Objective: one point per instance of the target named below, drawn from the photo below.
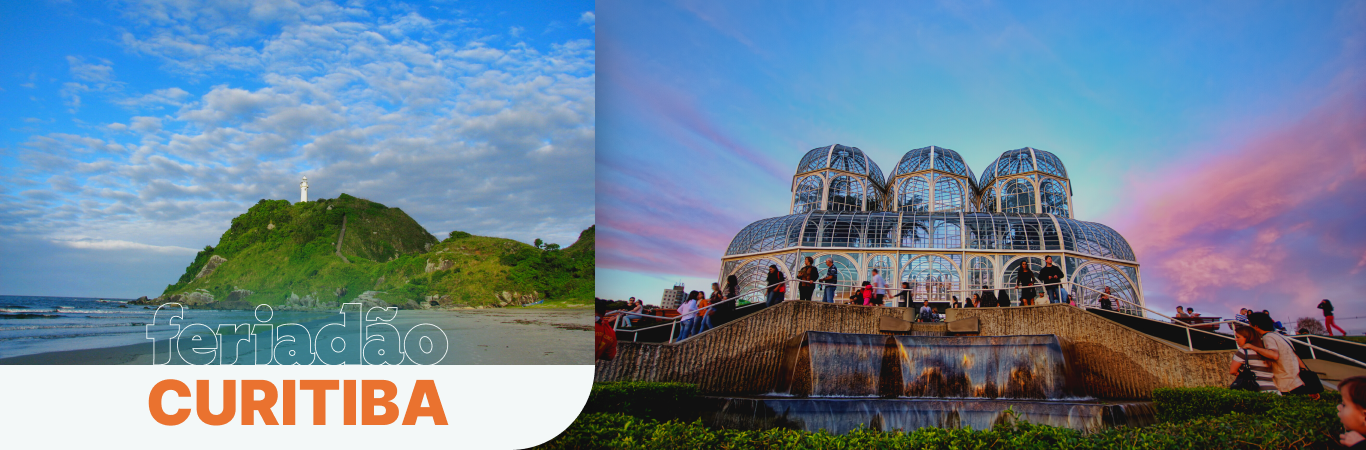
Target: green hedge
(1243, 422)
(1181, 404)
(658, 401)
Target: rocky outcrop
(210, 266)
(370, 299)
(199, 297)
(238, 294)
(439, 265)
(305, 303)
(340, 292)
(515, 298)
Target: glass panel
(948, 233)
(948, 194)
(808, 195)
(881, 230)
(917, 231)
(814, 160)
(1054, 198)
(1018, 197)
(980, 273)
(1098, 277)
(914, 194)
(846, 194)
(931, 277)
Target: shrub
(1283, 422)
(659, 401)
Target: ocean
(33, 325)
(42, 325)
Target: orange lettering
(289, 402)
(251, 406)
(369, 402)
(424, 389)
(154, 402)
(319, 388)
(202, 402)
(349, 403)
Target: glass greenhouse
(936, 226)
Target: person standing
(686, 311)
(832, 276)
(1328, 324)
(879, 288)
(720, 308)
(703, 313)
(1052, 277)
(807, 275)
(776, 286)
(732, 292)
(904, 296)
(988, 297)
(1024, 279)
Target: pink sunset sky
(1227, 144)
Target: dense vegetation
(278, 249)
(639, 416)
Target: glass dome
(933, 158)
(841, 157)
(931, 231)
(1023, 160)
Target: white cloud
(589, 19)
(170, 96)
(91, 72)
(104, 244)
(459, 132)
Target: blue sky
(134, 131)
(1224, 140)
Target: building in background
(935, 224)
(673, 297)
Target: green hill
(288, 255)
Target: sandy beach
(486, 336)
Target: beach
(513, 336)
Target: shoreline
(140, 353)
(495, 336)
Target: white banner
(494, 407)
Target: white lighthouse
(303, 190)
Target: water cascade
(838, 382)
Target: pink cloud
(1275, 219)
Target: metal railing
(692, 315)
(673, 322)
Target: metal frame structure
(935, 225)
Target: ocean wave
(29, 316)
(58, 327)
(64, 310)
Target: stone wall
(740, 357)
(744, 356)
(1108, 360)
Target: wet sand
(485, 336)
